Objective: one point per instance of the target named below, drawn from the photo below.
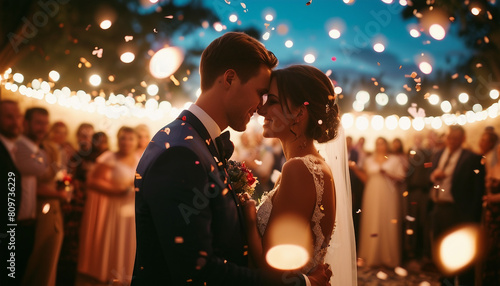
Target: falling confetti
(138, 176)
(228, 2)
(129, 38)
(155, 31)
(167, 145)
(394, 220)
(320, 122)
(197, 162)
(334, 58)
(454, 76)
(306, 103)
(309, 3)
(358, 211)
(258, 162)
(382, 275)
(405, 193)
(410, 218)
(46, 208)
(428, 165)
(476, 171)
(169, 17)
(189, 137)
(179, 239)
(401, 271)
(97, 52)
(374, 235)
(409, 231)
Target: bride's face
(276, 120)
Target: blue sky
(363, 22)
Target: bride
(300, 109)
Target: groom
(188, 222)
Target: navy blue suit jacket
(467, 187)
(190, 229)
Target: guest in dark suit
(10, 128)
(189, 224)
(458, 178)
(357, 186)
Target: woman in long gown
(299, 110)
(380, 228)
(107, 238)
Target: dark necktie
(224, 146)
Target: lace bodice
(265, 208)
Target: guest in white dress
(380, 228)
(107, 238)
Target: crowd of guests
(75, 209)
(75, 206)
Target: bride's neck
(299, 147)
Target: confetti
(410, 218)
(129, 38)
(382, 275)
(409, 231)
(183, 118)
(203, 253)
(309, 3)
(258, 162)
(413, 152)
(136, 189)
(401, 271)
(228, 2)
(454, 76)
(400, 67)
(167, 145)
(334, 58)
(212, 168)
(97, 52)
(428, 165)
(167, 130)
(405, 193)
(138, 176)
(155, 31)
(46, 208)
(208, 141)
(243, 5)
(358, 211)
(169, 17)
(189, 137)
(306, 103)
(88, 27)
(320, 122)
(321, 207)
(413, 75)
(394, 220)
(197, 162)
(328, 73)
(179, 239)
(476, 171)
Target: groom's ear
(229, 76)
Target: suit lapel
(191, 119)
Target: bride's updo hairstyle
(307, 85)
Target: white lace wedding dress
(266, 206)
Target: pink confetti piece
(183, 118)
(212, 186)
(138, 176)
(306, 103)
(97, 52)
(334, 58)
(197, 162)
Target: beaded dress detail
(266, 206)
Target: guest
(458, 177)
(10, 129)
(144, 135)
(42, 265)
(73, 212)
(79, 163)
(487, 144)
(398, 151)
(362, 154)
(380, 232)
(357, 186)
(107, 242)
(418, 181)
(58, 134)
(489, 273)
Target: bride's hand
(250, 210)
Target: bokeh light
(377, 122)
(358, 106)
(362, 96)
(334, 34)
(347, 120)
(415, 33)
(391, 122)
(425, 67)
(434, 99)
(446, 106)
(362, 123)
(288, 44)
(404, 123)
(401, 98)
(494, 94)
(166, 61)
(54, 75)
(437, 32)
(382, 99)
(17, 77)
(95, 80)
(233, 18)
(266, 36)
(309, 58)
(378, 47)
(475, 11)
(458, 249)
(127, 57)
(269, 17)
(106, 24)
(418, 124)
(463, 97)
(152, 89)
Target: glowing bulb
(425, 67)
(54, 76)
(418, 123)
(477, 107)
(152, 89)
(436, 123)
(337, 90)
(334, 34)
(289, 44)
(362, 123)
(401, 99)
(269, 17)
(95, 80)
(414, 33)
(433, 99)
(437, 32)
(382, 99)
(404, 123)
(127, 57)
(475, 11)
(494, 94)
(378, 47)
(362, 96)
(233, 18)
(45, 86)
(309, 58)
(347, 120)
(377, 122)
(391, 122)
(463, 97)
(106, 24)
(19, 78)
(446, 106)
(165, 62)
(358, 106)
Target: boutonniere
(241, 179)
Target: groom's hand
(250, 211)
(321, 275)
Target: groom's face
(245, 99)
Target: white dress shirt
(444, 193)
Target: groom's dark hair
(237, 51)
